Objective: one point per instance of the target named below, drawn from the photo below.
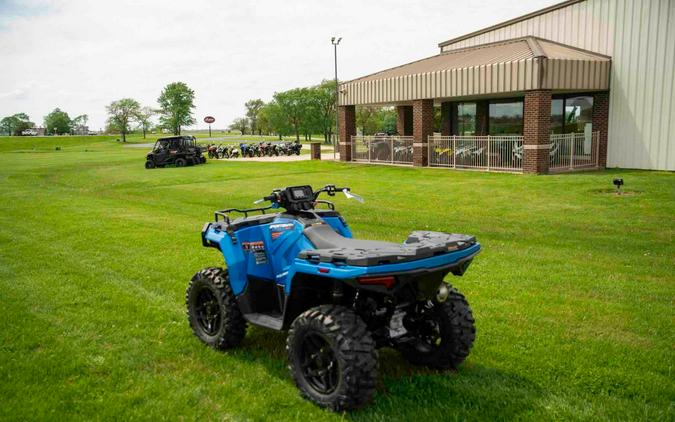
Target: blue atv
(293, 265)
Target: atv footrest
(274, 322)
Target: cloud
(81, 55)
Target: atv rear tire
(149, 164)
(332, 357)
(450, 342)
(180, 162)
(212, 308)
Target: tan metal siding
(640, 37)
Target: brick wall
(536, 131)
(404, 125)
(423, 126)
(347, 120)
(601, 124)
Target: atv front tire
(180, 162)
(212, 308)
(332, 357)
(444, 333)
(149, 164)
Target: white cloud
(81, 55)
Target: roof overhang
(495, 69)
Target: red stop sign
(209, 119)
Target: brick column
(404, 120)
(536, 131)
(601, 124)
(448, 118)
(423, 126)
(347, 118)
(316, 150)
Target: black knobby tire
(149, 164)
(454, 339)
(180, 162)
(332, 357)
(209, 298)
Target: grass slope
(573, 293)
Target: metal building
(605, 66)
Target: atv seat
(335, 248)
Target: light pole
(335, 43)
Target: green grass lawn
(573, 292)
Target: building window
(572, 114)
(466, 118)
(506, 117)
(557, 106)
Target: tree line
(56, 123)
(176, 104)
(298, 112)
(307, 111)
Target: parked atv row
(259, 149)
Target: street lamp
(335, 43)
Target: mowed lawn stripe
(572, 294)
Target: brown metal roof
(509, 66)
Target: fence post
(596, 135)
(430, 148)
(369, 147)
(454, 151)
(488, 153)
(391, 148)
(572, 139)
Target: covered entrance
(525, 104)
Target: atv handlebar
(288, 196)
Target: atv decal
(253, 246)
(277, 230)
(257, 249)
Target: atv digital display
(299, 194)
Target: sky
(81, 55)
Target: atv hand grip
(267, 198)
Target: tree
(324, 98)
(252, 109)
(387, 118)
(144, 117)
(58, 122)
(176, 103)
(121, 114)
(293, 105)
(273, 117)
(240, 124)
(14, 125)
(366, 119)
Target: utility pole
(337, 122)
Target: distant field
(573, 293)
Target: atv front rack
(225, 213)
(226, 217)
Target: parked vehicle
(179, 151)
(29, 132)
(212, 151)
(296, 267)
